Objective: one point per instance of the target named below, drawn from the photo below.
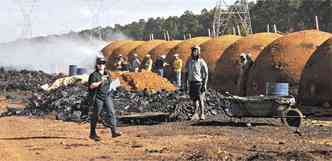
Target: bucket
(276, 89)
(81, 71)
(72, 70)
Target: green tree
(189, 24)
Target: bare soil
(46, 139)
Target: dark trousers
(108, 106)
(195, 90)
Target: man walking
(196, 72)
(99, 83)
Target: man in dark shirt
(99, 82)
(160, 65)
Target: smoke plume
(52, 54)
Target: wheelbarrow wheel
(292, 118)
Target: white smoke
(51, 54)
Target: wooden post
(167, 34)
(165, 38)
(268, 28)
(275, 28)
(317, 23)
(184, 37)
(234, 31)
(209, 32)
(238, 30)
(189, 36)
(152, 36)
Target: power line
(96, 9)
(26, 8)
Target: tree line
(287, 15)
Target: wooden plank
(144, 115)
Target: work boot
(115, 132)
(94, 137)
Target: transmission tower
(96, 10)
(227, 17)
(26, 8)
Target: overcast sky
(61, 16)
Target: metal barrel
(72, 70)
(276, 89)
(81, 71)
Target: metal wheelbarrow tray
(282, 107)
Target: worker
(147, 63)
(177, 67)
(245, 64)
(135, 63)
(196, 74)
(160, 65)
(99, 82)
(119, 63)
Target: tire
(292, 118)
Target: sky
(62, 16)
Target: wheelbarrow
(282, 107)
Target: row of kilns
(302, 59)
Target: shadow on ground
(229, 124)
(41, 137)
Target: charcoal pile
(24, 80)
(184, 108)
(66, 103)
(71, 104)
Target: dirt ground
(36, 139)
(46, 139)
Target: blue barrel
(81, 71)
(276, 89)
(72, 70)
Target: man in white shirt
(196, 72)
